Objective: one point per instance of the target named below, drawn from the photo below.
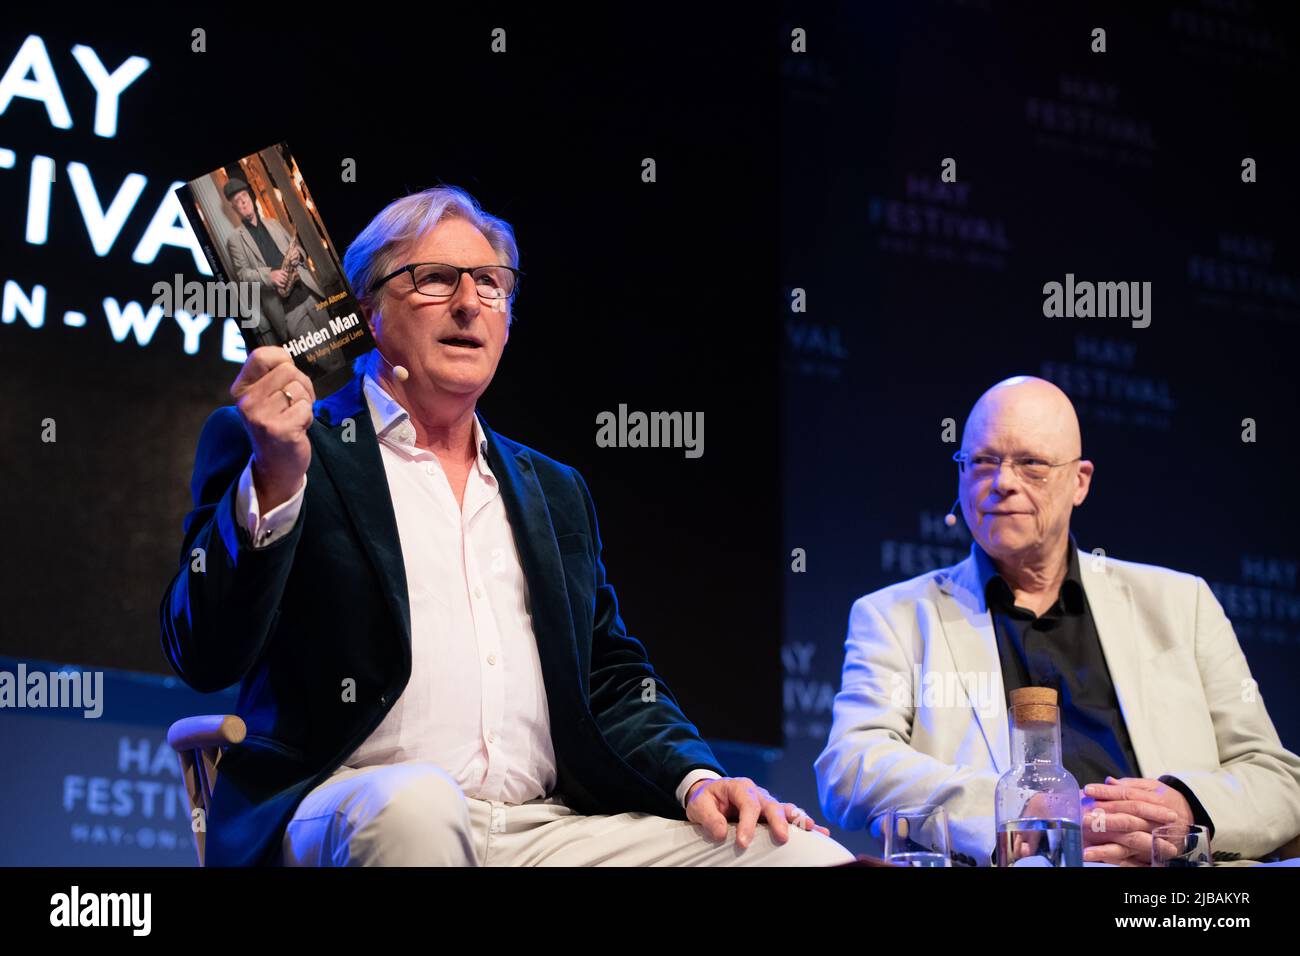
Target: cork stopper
(1033, 705)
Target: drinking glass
(1180, 844)
(917, 836)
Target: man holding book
(433, 665)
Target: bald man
(1161, 721)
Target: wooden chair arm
(207, 732)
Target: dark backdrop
(657, 295)
(1117, 166)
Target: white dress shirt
(475, 704)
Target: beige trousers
(414, 814)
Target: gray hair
(378, 247)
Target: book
(274, 265)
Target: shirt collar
(393, 424)
(997, 592)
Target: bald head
(1023, 477)
(1029, 415)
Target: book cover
(282, 276)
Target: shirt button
(478, 592)
(492, 736)
(492, 658)
(383, 700)
(429, 468)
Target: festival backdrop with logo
(640, 189)
(1125, 166)
(1122, 166)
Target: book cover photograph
(260, 229)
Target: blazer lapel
(1112, 609)
(968, 629)
(350, 456)
(539, 555)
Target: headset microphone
(399, 371)
(950, 519)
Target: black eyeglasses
(439, 279)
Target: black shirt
(273, 256)
(1060, 649)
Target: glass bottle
(1037, 811)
